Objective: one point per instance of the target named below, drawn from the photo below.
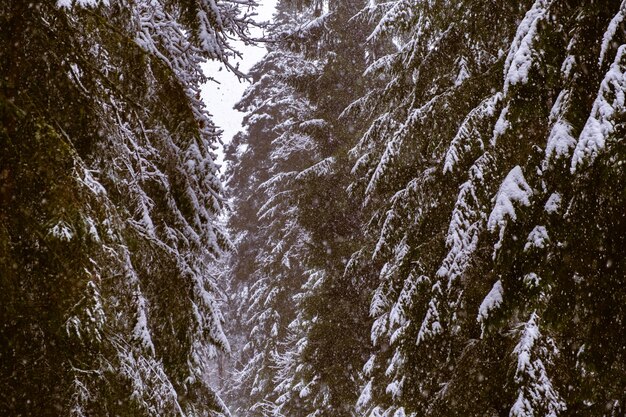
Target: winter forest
(423, 213)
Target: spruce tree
(109, 204)
(267, 269)
(307, 315)
(484, 172)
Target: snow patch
(501, 126)
(608, 106)
(568, 65)
(519, 59)
(379, 328)
(561, 139)
(399, 412)
(467, 222)
(553, 204)
(530, 334)
(538, 238)
(611, 31)
(320, 169)
(463, 73)
(369, 366)
(431, 325)
(492, 301)
(379, 303)
(62, 231)
(93, 231)
(535, 388)
(91, 183)
(469, 132)
(365, 398)
(140, 331)
(514, 189)
(82, 3)
(395, 390)
(531, 280)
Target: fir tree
(488, 270)
(109, 205)
(296, 362)
(267, 269)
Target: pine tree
(469, 314)
(109, 204)
(294, 156)
(267, 270)
(319, 373)
(432, 113)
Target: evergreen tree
(307, 315)
(428, 202)
(469, 313)
(266, 271)
(109, 198)
(319, 373)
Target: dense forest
(424, 213)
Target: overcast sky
(220, 98)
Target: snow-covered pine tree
(501, 298)
(430, 116)
(267, 269)
(109, 197)
(557, 265)
(320, 371)
(308, 317)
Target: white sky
(220, 98)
